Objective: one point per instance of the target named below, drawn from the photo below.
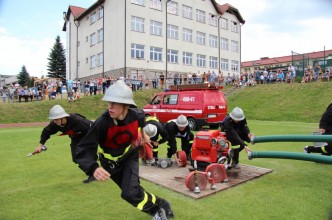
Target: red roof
(285, 59)
(76, 11)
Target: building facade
(133, 38)
(299, 61)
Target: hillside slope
(275, 102)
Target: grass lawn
(49, 185)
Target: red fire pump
(210, 150)
(210, 146)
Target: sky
(272, 28)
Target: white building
(128, 38)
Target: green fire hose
(292, 138)
(290, 155)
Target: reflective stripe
(152, 118)
(141, 204)
(153, 198)
(110, 157)
(323, 149)
(155, 150)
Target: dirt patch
(16, 125)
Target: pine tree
(57, 61)
(23, 77)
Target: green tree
(57, 61)
(23, 77)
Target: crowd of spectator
(50, 89)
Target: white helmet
(237, 114)
(181, 121)
(119, 92)
(57, 112)
(150, 130)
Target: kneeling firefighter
(179, 128)
(237, 132)
(154, 129)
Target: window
(172, 8)
(100, 59)
(171, 99)
(234, 26)
(172, 31)
(213, 20)
(100, 12)
(224, 64)
(93, 39)
(187, 58)
(156, 53)
(86, 38)
(224, 23)
(224, 43)
(234, 46)
(93, 18)
(200, 38)
(137, 24)
(100, 34)
(213, 63)
(187, 35)
(213, 41)
(155, 4)
(86, 60)
(137, 51)
(200, 16)
(235, 65)
(93, 61)
(138, 2)
(156, 28)
(200, 60)
(187, 12)
(172, 56)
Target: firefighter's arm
(145, 138)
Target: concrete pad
(174, 177)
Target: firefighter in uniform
(237, 132)
(153, 129)
(116, 132)
(74, 125)
(325, 128)
(179, 128)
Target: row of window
(95, 60)
(156, 54)
(137, 24)
(96, 15)
(187, 12)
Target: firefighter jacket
(160, 130)
(326, 120)
(236, 133)
(113, 137)
(174, 132)
(76, 128)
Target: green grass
(48, 186)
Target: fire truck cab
(202, 104)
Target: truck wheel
(192, 124)
(214, 126)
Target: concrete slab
(174, 177)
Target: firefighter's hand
(145, 139)
(247, 149)
(101, 174)
(38, 149)
(155, 143)
(322, 130)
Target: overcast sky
(273, 28)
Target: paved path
(15, 125)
